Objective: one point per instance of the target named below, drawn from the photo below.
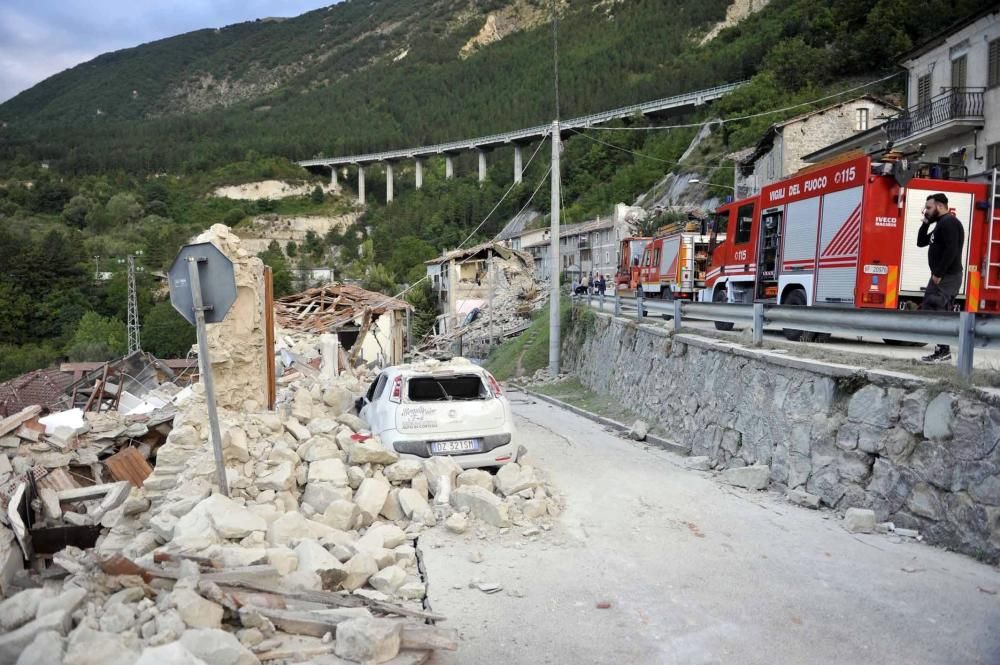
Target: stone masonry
(919, 454)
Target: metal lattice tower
(133, 309)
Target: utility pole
(492, 289)
(133, 309)
(554, 271)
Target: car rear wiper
(444, 391)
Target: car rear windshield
(445, 388)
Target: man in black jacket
(944, 256)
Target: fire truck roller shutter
(914, 273)
(839, 242)
(799, 241)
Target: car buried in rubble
(454, 408)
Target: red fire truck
(674, 264)
(629, 254)
(845, 235)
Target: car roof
(434, 367)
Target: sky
(39, 38)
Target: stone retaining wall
(920, 455)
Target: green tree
(291, 248)
(97, 338)
(165, 333)
(75, 212)
(123, 209)
(281, 276)
(317, 195)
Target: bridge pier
(518, 167)
(333, 176)
(361, 183)
(388, 182)
(418, 172)
(482, 164)
(449, 167)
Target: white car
(453, 408)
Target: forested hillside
(363, 75)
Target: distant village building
(953, 103)
(784, 146)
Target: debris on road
(859, 520)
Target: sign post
(200, 307)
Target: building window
(924, 93)
(958, 69)
(993, 156)
(861, 120)
(993, 77)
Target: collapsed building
(487, 293)
(313, 554)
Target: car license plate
(459, 446)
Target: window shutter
(958, 70)
(994, 64)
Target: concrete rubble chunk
(12, 643)
(195, 611)
(217, 647)
(699, 463)
(91, 647)
(321, 495)
(483, 505)
(283, 559)
(639, 430)
(391, 509)
(313, 557)
(21, 608)
(45, 649)
(230, 519)
(319, 448)
(302, 405)
(388, 580)
(440, 467)
(412, 503)
(293, 526)
(117, 618)
(476, 477)
(388, 535)
(322, 426)
(513, 478)
(372, 451)
(802, 498)
(412, 591)
(352, 421)
(173, 653)
(341, 514)
(402, 470)
(859, 520)
(457, 523)
(297, 429)
(235, 445)
(340, 400)
(368, 640)
(67, 601)
(370, 497)
(359, 569)
(330, 471)
(751, 477)
(195, 531)
(278, 478)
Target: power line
(723, 121)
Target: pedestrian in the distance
(944, 242)
(585, 284)
(601, 284)
(576, 287)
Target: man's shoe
(938, 356)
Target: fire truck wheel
(720, 296)
(797, 297)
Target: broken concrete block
(320, 448)
(513, 478)
(368, 640)
(534, 508)
(293, 526)
(341, 515)
(86, 646)
(283, 559)
(195, 531)
(412, 503)
(322, 426)
(12, 643)
(414, 590)
(352, 421)
(235, 445)
(217, 647)
(387, 535)
(437, 468)
(330, 471)
(338, 399)
(359, 569)
(370, 450)
(45, 649)
(315, 558)
(230, 519)
(402, 470)
(391, 509)
(802, 498)
(21, 608)
(67, 601)
(302, 405)
(388, 580)
(195, 611)
(457, 523)
(699, 463)
(475, 477)
(321, 495)
(483, 505)
(277, 478)
(297, 429)
(639, 430)
(117, 618)
(370, 497)
(751, 477)
(859, 520)
(173, 653)
(162, 526)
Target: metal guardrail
(696, 97)
(965, 330)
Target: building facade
(783, 148)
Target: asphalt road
(696, 572)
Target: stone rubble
(316, 505)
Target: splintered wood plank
(129, 464)
(11, 423)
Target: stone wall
(918, 454)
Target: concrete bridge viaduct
(485, 144)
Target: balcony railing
(953, 104)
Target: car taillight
(494, 386)
(397, 390)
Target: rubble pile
(312, 555)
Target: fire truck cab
(629, 256)
(845, 235)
